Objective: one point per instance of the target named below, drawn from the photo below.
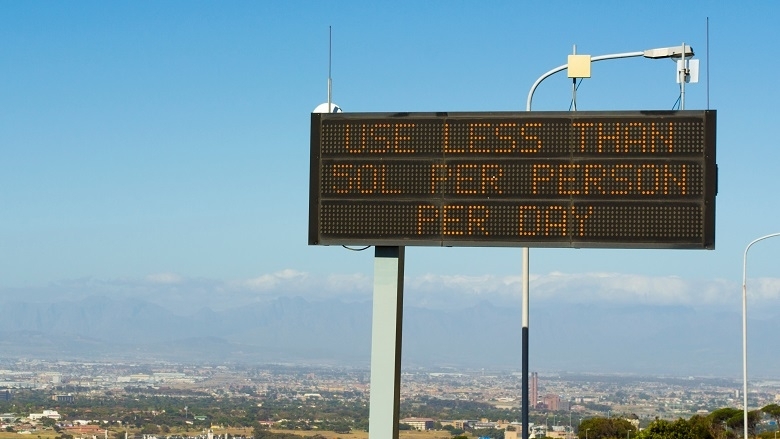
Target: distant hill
(603, 338)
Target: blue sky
(150, 144)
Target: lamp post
(666, 52)
(682, 51)
(744, 331)
(586, 433)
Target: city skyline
(590, 394)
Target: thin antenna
(574, 84)
(708, 63)
(329, 107)
(682, 73)
(330, 51)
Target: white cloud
(763, 289)
(448, 291)
(164, 278)
(581, 288)
(614, 287)
(348, 283)
(434, 291)
(356, 286)
(281, 279)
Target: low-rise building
(421, 424)
(51, 414)
(8, 418)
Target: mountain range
(665, 340)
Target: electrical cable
(577, 87)
(357, 249)
(676, 105)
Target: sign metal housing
(639, 179)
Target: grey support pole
(386, 342)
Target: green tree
(700, 427)
(261, 432)
(721, 421)
(679, 429)
(341, 428)
(603, 428)
(729, 422)
(773, 410)
(493, 433)
(150, 429)
(737, 422)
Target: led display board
(640, 179)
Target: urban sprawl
(93, 400)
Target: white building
(51, 414)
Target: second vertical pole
(526, 301)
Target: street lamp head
(669, 52)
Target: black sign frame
(639, 179)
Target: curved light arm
(744, 330)
(744, 258)
(563, 67)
